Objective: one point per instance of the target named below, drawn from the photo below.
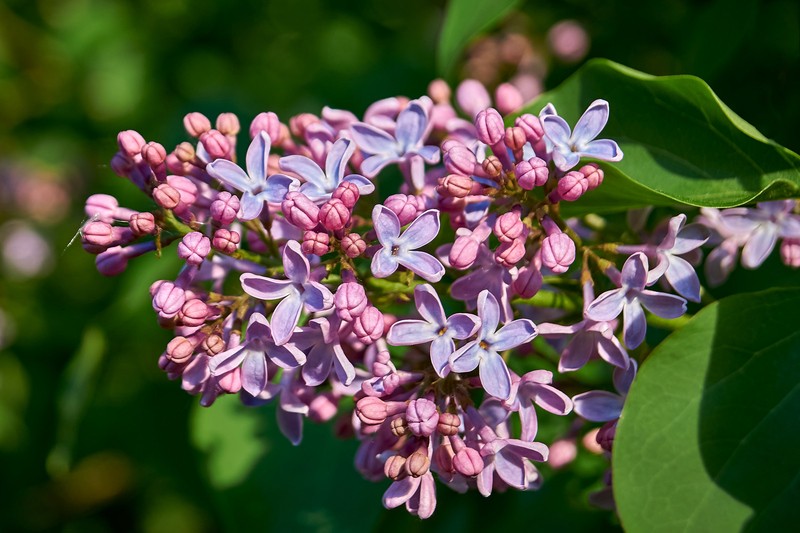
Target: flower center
(395, 250)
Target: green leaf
(709, 435)
(682, 145)
(465, 19)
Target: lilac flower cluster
(299, 265)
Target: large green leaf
(710, 433)
(464, 19)
(682, 145)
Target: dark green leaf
(709, 435)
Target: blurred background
(93, 437)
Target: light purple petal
(690, 238)
(285, 318)
(510, 468)
(386, 224)
(295, 263)
(557, 130)
(759, 245)
(591, 123)
(364, 185)
(634, 271)
(318, 365)
(422, 230)
(427, 497)
(317, 297)
(291, 425)
(411, 333)
(375, 163)
(673, 228)
(489, 312)
(345, 370)
(565, 159)
(442, 348)
(660, 268)
(250, 206)
(463, 325)
(428, 304)
(623, 378)
(535, 451)
(547, 397)
(254, 372)
(336, 162)
(286, 356)
(598, 406)
(266, 288)
(789, 227)
(411, 125)
(430, 154)
(422, 264)
(229, 173)
(683, 278)
(607, 306)
(278, 185)
(612, 352)
(258, 157)
(721, 262)
(513, 334)
(635, 326)
(305, 168)
(603, 149)
(663, 305)
(577, 352)
(399, 492)
(486, 479)
(371, 140)
(528, 421)
(467, 358)
(494, 375)
(383, 263)
(226, 361)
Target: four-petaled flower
(400, 249)
(679, 272)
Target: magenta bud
(226, 241)
(194, 313)
(98, 234)
(394, 467)
(225, 208)
(228, 124)
(323, 407)
(422, 417)
(532, 173)
(334, 215)
(186, 188)
(371, 410)
(562, 452)
(315, 243)
(558, 252)
(142, 223)
(594, 175)
(185, 152)
(112, 262)
(455, 186)
(130, 143)
(300, 211)
(213, 344)
(515, 138)
(194, 247)
(508, 254)
(196, 124)
(168, 300)
(102, 207)
(439, 91)
(299, 123)
(508, 98)
(489, 124)
(572, 186)
(528, 281)
(216, 144)
(605, 437)
(472, 96)
(417, 464)
(492, 166)
(405, 206)
(532, 127)
(269, 123)
(448, 424)
(154, 154)
(166, 196)
(231, 382)
(350, 301)
(353, 245)
(790, 252)
(443, 457)
(508, 226)
(369, 326)
(464, 252)
(179, 350)
(347, 192)
(460, 160)
(468, 462)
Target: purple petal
(623, 377)
(759, 245)
(547, 397)
(463, 325)
(383, 263)
(295, 264)
(375, 163)
(494, 375)
(663, 305)
(489, 312)
(683, 278)
(411, 125)
(690, 238)
(603, 149)
(229, 173)
(196, 373)
(789, 227)
(674, 227)
(258, 157)
(422, 264)
(528, 422)
(634, 271)
(659, 270)
(345, 370)
(305, 168)
(612, 352)
(285, 318)
(467, 358)
(278, 185)
(556, 129)
(485, 479)
(577, 352)
(635, 325)
(336, 162)
(598, 406)
(510, 468)
(266, 288)
(286, 356)
(318, 365)
(364, 185)
(535, 451)
(291, 425)
(317, 297)
(513, 334)
(371, 140)
(564, 158)
(386, 224)
(429, 305)
(607, 306)
(422, 230)
(427, 497)
(399, 492)
(250, 206)
(721, 262)
(411, 333)
(591, 123)
(254, 372)
(226, 361)
(442, 348)
(430, 154)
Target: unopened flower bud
(225, 208)
(508, 254)
(528, 281)
(186, 189)
(98, 234)
(605, 437)
(394, 467)
(448, 424)
(130, 142)
(472, 97)
(101, 207)
(532, 127)
(299, 123)
(468, 462)
(179, 350)
(350, 301)
(443, 457)
(194, 247)
(417, 464)
(490, 126)
(439, 91)
(369, 326)
(166, 196)
(353, 245)
(154, 154)
(231, 382)
(492, 166)
(422, 417)
(226, 241)
(185, 152)
(460, 160)
(371, 410)
(228, 124)
(112, 262)
(168, 299)
(322, 408)
(464, 252)
(194, 313)
(593, 174)
(532, 173)
(562, 452)
(142, 223)
(213, 344)
(405, 206)
(196, 124)
(216, 144)
(455, 186)
(508, 98)
(399, 426)
(315, 243)
(790, 252)
(269, 123)
(508, 226)
(515, 138)
(347, 192)
(572, 186)
(300, 211)
(334, 215)
(558, 252)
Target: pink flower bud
(142, 223)
(112, 262)
(225, 208)
(300, 211)
(315, 243)
(439, 91)
(299, 123)
(468, 462)
(448, 424)
(515, 138)
(350, 301)
(568, 41)
(130, 143)
(508, 98)
(371, 410)
(193, 313)
(179, 350)
(460, 160)
(508, 254)
(228, 124)
(98, 235)
(572, 186)
(528, 281)
(562, 452)
(417, 464)
(508, 226)
(216, 144)
(353, 245)
(593, 174)
(492, 166)
(790, 252)
(472, 97)
(394, 467)
(605, 437)
(269, 123)
(443, 456)
(334, 215)
(102, 207)
(532, 173)
(226, 241)
(231, 382)
(558, 252)
(399, 426)
(422, 417)
(489, 124)
(532, 127)
(166, 196)
(369, 326)
(455, 186)
(196, 124)
(405, 206)
(154, 154)
(347, 192)
(187, 190)
(168, 299)
(185, 152)
(464, 252)
(213, 344)
(194, 247)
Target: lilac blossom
(569, 146)
(397, 249)
(295, 293)
(679, 272)
(435, 328)
(536, 387)
(418, 493)
(491, 276)
(484, 352)
(253, 353)
(629, 299)
(322, 336)
(254, 185)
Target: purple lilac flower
(418, 493)
(326, 351)
(569, 146)
(318, 185)
(295, 293)
(768, 222)
(254, 185)
(400, 249)
(253, 353)
(484, 352)
(536, 387)
(436, 328)
(679, 272)
(629, 299)
(491, 276)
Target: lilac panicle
(295, 293)
(397, 249)
(435, 328)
